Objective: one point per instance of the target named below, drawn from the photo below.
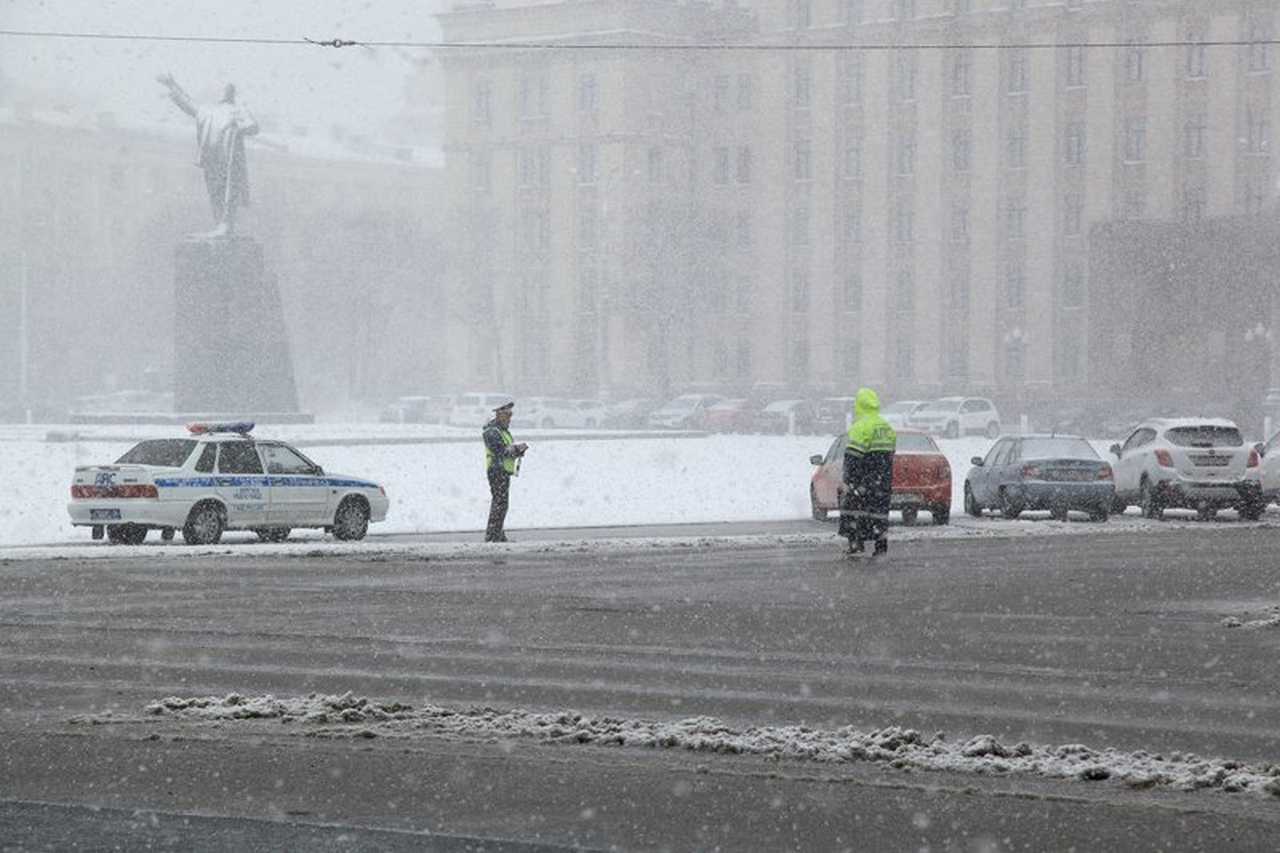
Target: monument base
(231, 349)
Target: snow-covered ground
(347, 716)
(439, 486)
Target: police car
(219, 478)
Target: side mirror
(1115, 450)
(977, 460)
(319, 471)
(816, 459)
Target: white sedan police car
(220, 478)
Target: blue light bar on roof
(241, 427)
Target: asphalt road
(1115, 640)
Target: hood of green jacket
(867, 402)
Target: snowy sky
(303, 85)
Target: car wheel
(166, 534)
(1118, 505)
(818, 513)
(993, 430)
(1009, 507)
(351, 521)
(204, 524)
(1252, 510)
(952, 430)
(273, 534)
(970, 503)
(1099, 514)
(1148, 501)
(1206, 513)
(909, 514)
(941, 514)
(1060, 513)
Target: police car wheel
(351, 522)
(204, 525)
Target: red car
(921, 479)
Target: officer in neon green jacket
(868, 475)
(501, 462)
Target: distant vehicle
(268, 487)
(898, 413)
(684, 412)
(1059, 473)
(834, 414)
(735, 415)
(1194, 463)
(590, 413)
(475, 408)
(629, 414)
(795, 417)
(548, 412)
(418, 410)
(957, 416)
(1270, 475)
(921, 479)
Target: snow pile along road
(348, 716)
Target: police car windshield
(165, 452)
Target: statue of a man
(220, 132)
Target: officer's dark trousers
(499, 491)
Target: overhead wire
(726, 46)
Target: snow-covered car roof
(1168, 423)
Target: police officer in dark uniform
(502, 462)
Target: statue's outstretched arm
(178, 95)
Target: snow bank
(347, 716)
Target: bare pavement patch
(903, 749)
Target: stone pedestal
(231, 349)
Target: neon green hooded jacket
(870, 433)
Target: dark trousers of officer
(499, 491)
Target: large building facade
(828, 192)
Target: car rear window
(916, 444)
(1057, 448)
(165, 452)
(1204, 436)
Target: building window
(904, 295)
(535, 95)
(481, 171)
(745, 92)
(800, 290)
(905, 76)
(655, 165)
(1017, 148)
(904, 224)
(960, 223)
(1016, 83)
(588, 93)
(744, 164)
(906, 159)
(853, 79)
(1259, 49)
(961, 150)
(961, 7)
(720, 94)
(1255, 198)
(1135, 140)
(588, 286)
(1257, 131)
(802, 87)
(853, 12)
(800, 356)
(1069, 356)
(1135, 203)
(853, 158)
(535, 167)
(1072, 215)
(1197, 57)
(1072, 286)
(1075, 143)
(903, 10)
(482, 102)
(1075, 67)
(1134, 57)
(1194, 137)
(960, 292)
(587, 156)
(587, 233)
(744, 358)
(1015, 283)
(1194, 204)
(721, 174)
(853, 223)
(744, 229)
(961, 74)
(802, 164)
(904, 370)
(802, 11)
(1015, 221)
(1015, 359)
(850, 358)
(852, 300)
(800, 235)
(535, 231)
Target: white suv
(1194, 463)
(1270, 468)
(957, 416)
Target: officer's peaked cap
(506, 407)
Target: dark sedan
(1054, 472)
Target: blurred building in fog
(918, 219)
(93, 211)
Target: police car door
(299, 491)
(241, 484)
